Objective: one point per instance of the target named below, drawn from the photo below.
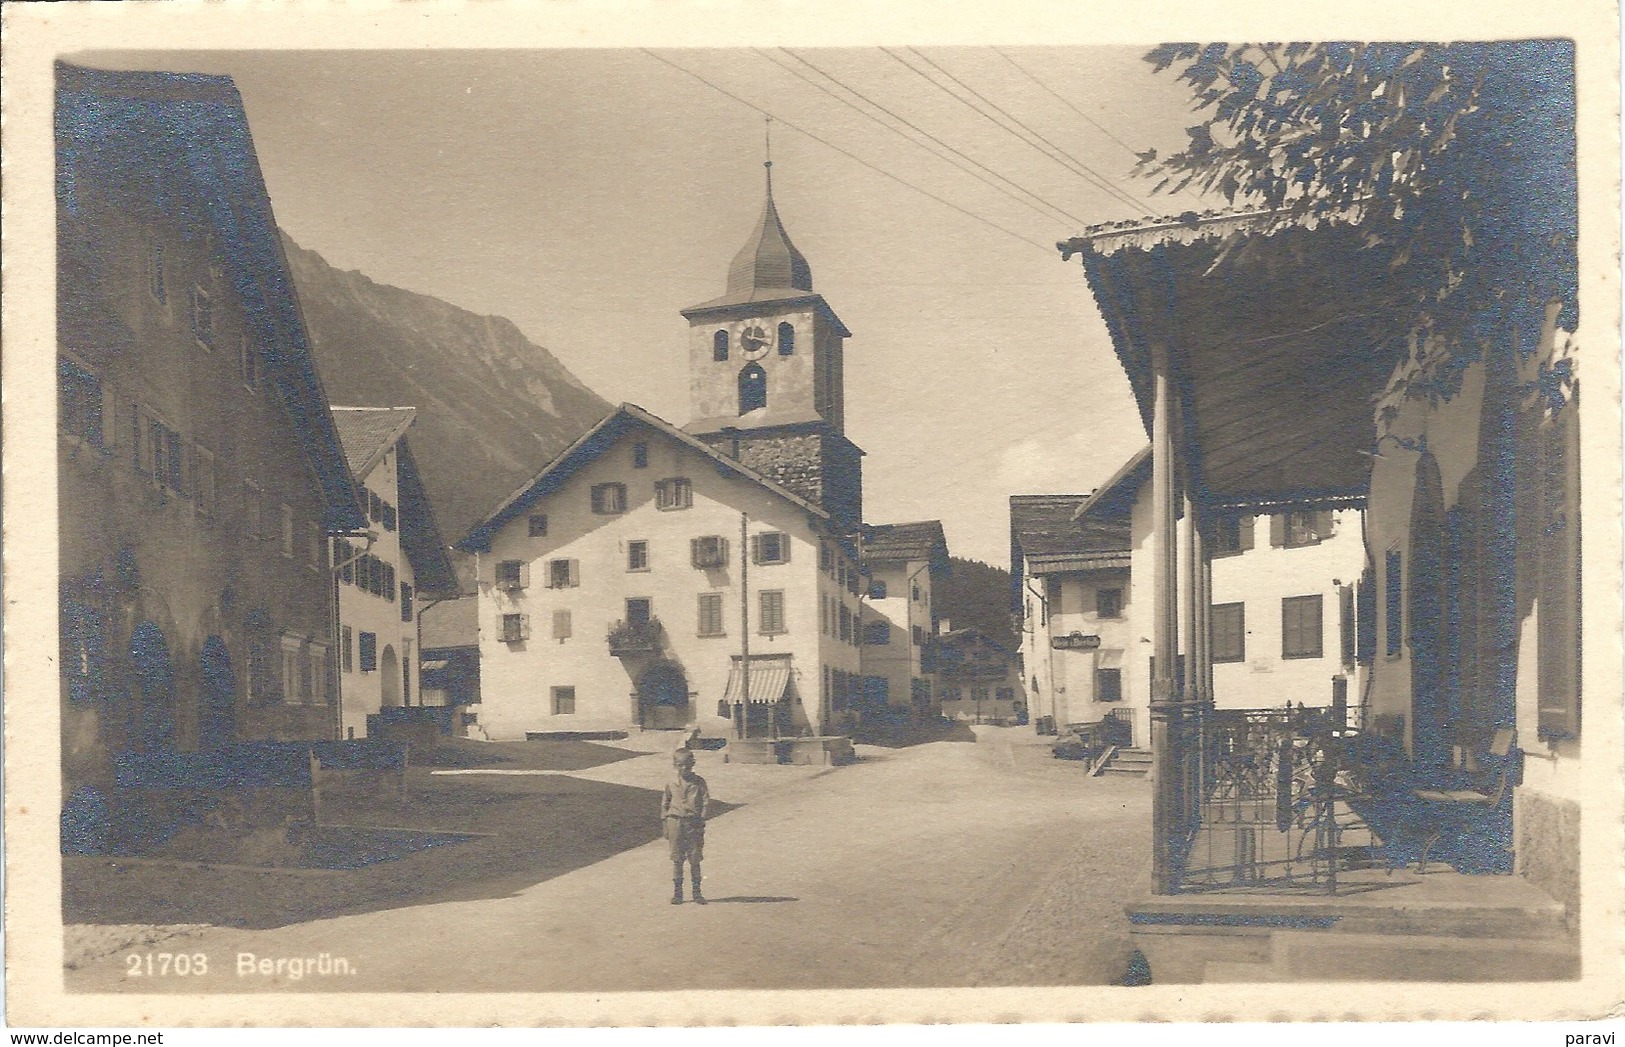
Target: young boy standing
(682, 812)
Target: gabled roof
(920, 540)
(595, 442)
(1114, 499)
(178, 144)
(369, 432)
(450, 623)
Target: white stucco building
(901, 561)
(381, 578)
(1283, 611)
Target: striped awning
(769, 680)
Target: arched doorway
(663, 697)
(152, 689)
(217, 717)
(389, 666)
(1430, 731)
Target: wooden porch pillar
(1166, 800)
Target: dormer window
(719, 346)
(787, 339)
(752, 388)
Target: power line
(1053, 152)
(1091, 120)
(1046, 248)
(927, 134)
(1061, 154)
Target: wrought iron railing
(1264, 810)
(634, 637)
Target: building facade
(622, 587)
(901, 562)
(200, 474)
(382, 578)
(978, 680)
(1282, 620)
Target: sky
(589, 195)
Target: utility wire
(1091, 120)
(1059, 154)
(1053, 153)
(921, 131)
(1046, 248)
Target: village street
(941, 864)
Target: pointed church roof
(767, 269)
(769, 261)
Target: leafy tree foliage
(1457, 160)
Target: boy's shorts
(687, 838)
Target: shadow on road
(753, 898)
(903, 735)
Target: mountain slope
(976, 595)
(493, 407)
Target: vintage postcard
(639, 515)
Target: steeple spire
(769, 261)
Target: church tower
(766, 373)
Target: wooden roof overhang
(1279, 336)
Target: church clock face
(753, 342)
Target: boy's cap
(682, 757)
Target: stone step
(1341, 956)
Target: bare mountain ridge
(493, 407)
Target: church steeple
(769, 261)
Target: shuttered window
(1301, 627)
(1229, 624)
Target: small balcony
(631, 638)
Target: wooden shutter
(1324, 524)
(575, 572)
(1278, 530)
(1558, 581)
(755, 548)
(561, 625)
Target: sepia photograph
(1050, 529)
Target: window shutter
(755, 548)
(784, 547)
(1278, 530)
(575, 573)
(1324, 525)
(561, 625)
(694, 552)
(524, 626)
(1244, 532)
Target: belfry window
(752, 388)
(719, 346)
(787, 339)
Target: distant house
(200, 472)
(449, 632)
(902, 561)
(382, 577)
(1282, 604)
(978, 679)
